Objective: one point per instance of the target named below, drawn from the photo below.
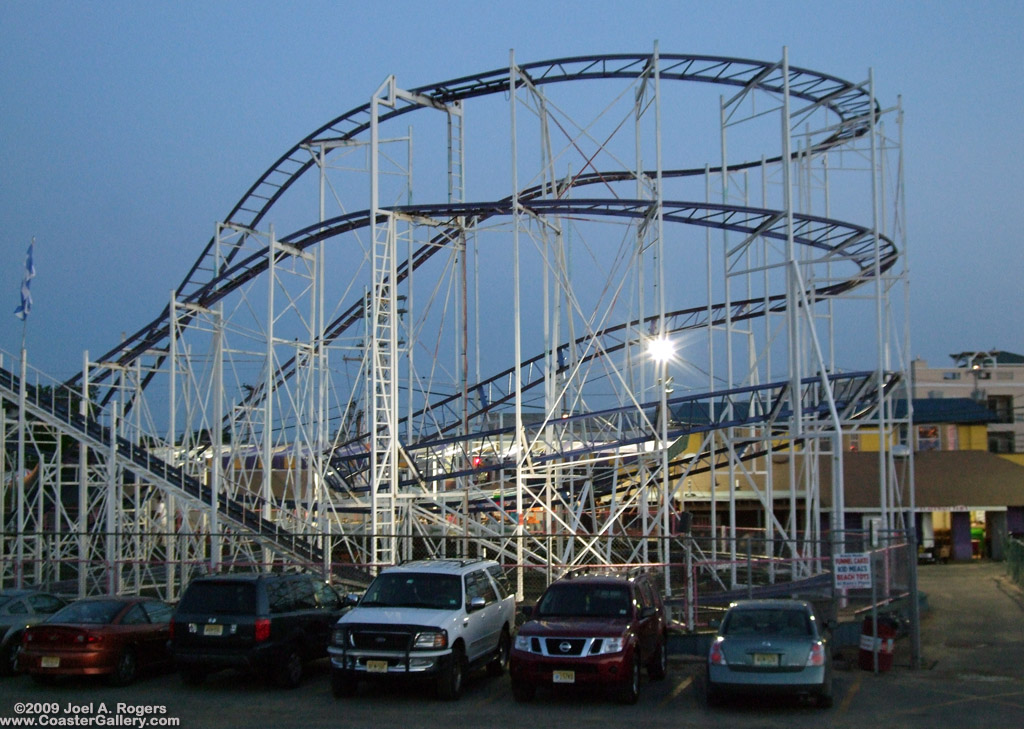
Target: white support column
(217, 439)
(19, 567)
(729, 433)
(113, 497)
(325, 517)
(792, 297)
(171, 441)
(267, 449)
(520, 441)
(664, 544)
(4, 559)
(383, 347)
(795, 336)
(884, 475)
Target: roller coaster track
(833, 240)
(42, 404)
(851, 104)
(610, 433)
(615, 450)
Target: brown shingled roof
(944, 479)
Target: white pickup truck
(433, 619)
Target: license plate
(766, 660)
(50, 662)
(376, 666)
(213, 630)
(563, 677)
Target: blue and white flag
(26, 293)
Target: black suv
(269, 624)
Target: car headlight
(431, 640)
(610, 645)
(340, 636)
(523, 643)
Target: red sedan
(111, 636)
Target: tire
(9, 656)
(712, 695)
(343, 685)
(657, 669)
(289, 673)
(126, 668)
(192, 676)
(449, 680)
(824, 697)
(523, 692)
(629, 693)
(499, 664)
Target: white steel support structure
(461, 366)
(383, 326)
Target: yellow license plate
(50, 662)
(563, 677)
(213, 630)
(376, 666)
(766, 660)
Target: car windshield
(415, 590)
(571, 600)
(767, 621)
(222, 598)
(93, 612)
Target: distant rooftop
(962, 410)
(992, 358)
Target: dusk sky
(128, 129)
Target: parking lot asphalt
(972, 676)
(974, 625)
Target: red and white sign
(852, 571)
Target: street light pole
(661, 351)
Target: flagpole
(22, 313)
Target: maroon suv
(592, 630)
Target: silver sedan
(20, 609)
(770, 647)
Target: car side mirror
(648, 612)
(475, 603)
(351, 599)
(526, 611)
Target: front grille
(564, 646)
(377, 640)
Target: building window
(928, 438)
(1000, 442)
(951, 375)
(1002, 406)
